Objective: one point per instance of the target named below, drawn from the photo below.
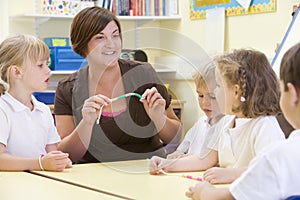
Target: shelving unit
(42, 18)
(67, 72)
(138, 21)
(131, 18)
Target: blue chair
(295, 197)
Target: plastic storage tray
(47, 97)
(57, 41)
(64, 58)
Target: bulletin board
(198, 7)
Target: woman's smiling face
(105, 48)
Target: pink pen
(184, 176)
(193, 178)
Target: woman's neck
(104, 81)
(96, 71)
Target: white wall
(259, 31)
(3, 19)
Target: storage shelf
(129, 18)
(165, 70)
(42, 18)
(66, 72)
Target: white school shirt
(202, 137)
(273, 175)
(239, 145)
(26, 133)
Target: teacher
(129, 128)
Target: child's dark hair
(290, 67)
(257, 80)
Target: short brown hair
(252, 71)
(290, 67)
(87, 23)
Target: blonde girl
(28, 137)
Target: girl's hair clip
(242, 99)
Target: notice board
(232, 7)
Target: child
(28, 137)
(275, 174)
(247, 88)
(198, 150)
(193, 141)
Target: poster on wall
(232, 7)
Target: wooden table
(23, 185)
(128, 179)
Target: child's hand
(176, 154)
(155, 165)
(218, 175)
(56, 161)
(196, 192)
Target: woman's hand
(91, 107)
(154, 105)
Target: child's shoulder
(228, 117)
(7, 102)
(266, 120)
(2, 104)
(40, 105)
(202, 120)
(226, 120)
(283, 148)
(266, 125)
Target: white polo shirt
(273, 175)
(26, 133)
(250, 137)
(193, 139)
(202, 137)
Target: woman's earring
(242, 99)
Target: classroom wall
(3, 19)
(260, 31)
(174, 39)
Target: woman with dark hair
(126, 129)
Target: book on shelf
(141, 7)
(172, 6)
(107, 4)
(99, 3)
